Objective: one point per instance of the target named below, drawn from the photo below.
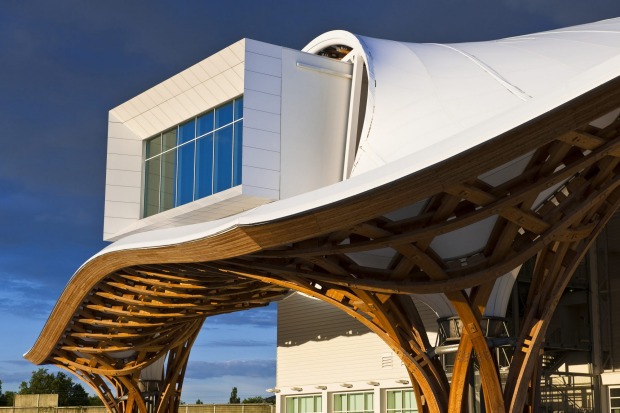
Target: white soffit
(211, 208)
(186, 94)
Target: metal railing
(564, 394)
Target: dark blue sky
(64, 64)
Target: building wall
(36, 400)
(262, 135)
(321, 349)
(295, 111)
(315, 106)
(208, 83)
(319, 344)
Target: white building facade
(315, 339)
(269, 99)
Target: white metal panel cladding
(313, 337)
(178, 93)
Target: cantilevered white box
(295, 112)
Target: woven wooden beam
(125, 310)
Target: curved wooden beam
(552, 275)
(419, 365)
(121, 312)
(478, 297)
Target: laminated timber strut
(125, 310)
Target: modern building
(435, 221)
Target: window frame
(367, 409)
(299, 398)
(613, 409)
(402, 409)
(169, 195)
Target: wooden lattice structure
(126, 309)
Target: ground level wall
(186, 408)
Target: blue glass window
(224, 115)
(187, 131)
(223, 159)
(237, 150)
(185, 174)
(196, 158)
(204, 166)
(205, 123)
(238, 108)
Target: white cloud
(245, 368)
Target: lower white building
(329, 362)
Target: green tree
(8, 398)
(199, 401)
(234, 399)
(94, 401)
(42, 382)
(255, 399)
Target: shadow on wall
(302, 319)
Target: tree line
(235, 399)
(44, 382)
(73, 394)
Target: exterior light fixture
(402, 381)
(321, 387)
(373, 383)
(273, 390)
(297, 388)
(347, 385)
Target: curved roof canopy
(471, 158)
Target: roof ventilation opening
(357, 115)
(337, 51)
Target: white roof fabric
(429, 102)
(424, 94)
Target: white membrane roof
(429, 102)
(422, 94)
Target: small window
(304, 404)
(224, 115)
(614, 400)
(353, 402)
(401, 401)
(205, 124)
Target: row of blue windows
(195, 159)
